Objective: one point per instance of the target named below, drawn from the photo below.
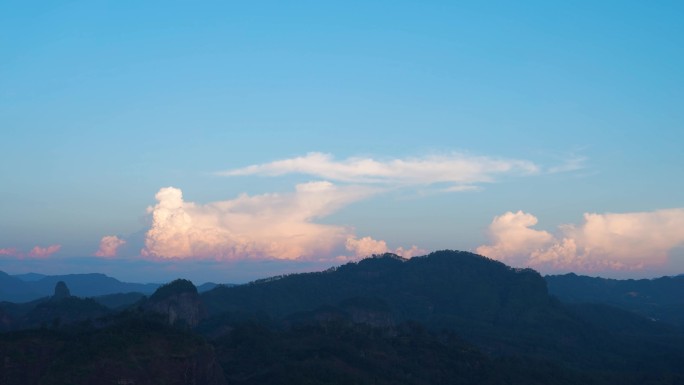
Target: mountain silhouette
(448, 317)
(657, 299)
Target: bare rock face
(179, 301)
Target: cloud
(43, 252)
(367, 246)
(109, 245)
(603, 241)
(572, 164)
(460, 171)
(262, 226)
(513, 239)
(36, 252)
(11, 251)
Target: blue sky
(102, 104)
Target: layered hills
(448, 317)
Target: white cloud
(459, 170)
(368, 246)
(603, 241)
(109, 245)
(513, 239)
(263, 226)
(365, 246)
(277, 226)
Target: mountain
(499, 309)
(91, 285)
(119, 301)
(30, 277)
(178, 301)
(448, 317)
(13, 289)
(128, 348)
(31, 286)
(658, 299)
(211, 285)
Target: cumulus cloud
(458, 170)
(109, 245)
(513, 239)
(43, 252)
(262, 226)
(367, 246)
(603, 241)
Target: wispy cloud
(280, 226)
(602, 242)
(459, 170)
(109, 245)
(571, 164)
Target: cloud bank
(609, 241)
(36, 252)
(12, 251)
(109, 245)
(280, 226)
(459, 171)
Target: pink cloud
(513, 239)
(12, 251)
(109, 246)
(367, 246)
(43, 252)
(607, 241)
(279, 226)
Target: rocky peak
(179, 301)
(61, 291)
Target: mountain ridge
(465, 318)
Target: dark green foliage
(447, 318)
(119, 300)
(339, 353)
(503, 311)
(61, 312)
(134, 346)
(175, 287)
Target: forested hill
(448, 317)
(501, 309)
(425, 289)
(660, 298)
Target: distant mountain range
(32, 286)
(448, 317)
(659, 299)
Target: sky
(229, 141)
